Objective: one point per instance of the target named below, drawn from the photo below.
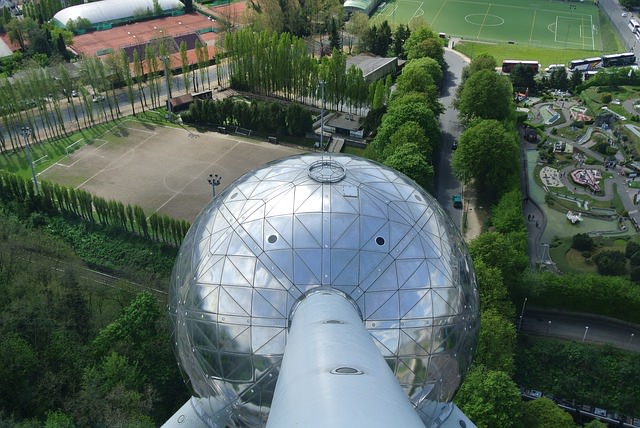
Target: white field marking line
(208, 167)
(484, 20)
(73, 163)
(437, 15)
(555, 36)
(533, 25)
(593, 39)
(114, 161)
(419, 9)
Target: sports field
(543, 23)
(161, 169)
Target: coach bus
(618, 60)
(585, 64)
(633, 25)
(509, 64)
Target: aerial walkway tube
(332, 374)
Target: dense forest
(77, 347)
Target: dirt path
(473, 214)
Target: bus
(585, 64)
(509, 64)
(633, 25)
(618, 60)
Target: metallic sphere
(317, 220)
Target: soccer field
(542, 23)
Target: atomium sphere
(317, 220)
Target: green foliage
(575, 371)
(611, 296)
(489, 154)
(111, 250)
(611, 263)
(407, 159)
(497, 342)
(582, 242)
(544, 413)
(631, 248)
(493, 292)
(267, 116)
(490, 399)
(486, 95)
(506, 252)
(507, 215)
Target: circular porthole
(380, 240)
(272, 239)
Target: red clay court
(175, 29)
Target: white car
(624, 14)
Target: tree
(489, 154)
(409, 132)
(611, 263)
(358, 25)
(523, 78)
(631, 248)
(582, 242)
(507, 216)
(400, 35)
(486, 95)
(408, 160)
(559, 80)
(497, 342)
(507, 252)
(405, 108)
(575, 80)
(423, 42)
(493, 292)
(19, 31)
(544, 413)
(490, 399)
(421, 75)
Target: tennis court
(542, 23)
(161, 169)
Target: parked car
(454, 145)
(457, 201)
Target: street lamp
(548, 326)
(165, 60)
(586, 330)
(630, 339)
(26, 133)
(214, 180)
(322, 83)
(522, 313)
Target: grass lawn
(568, 259)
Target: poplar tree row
(37, 99)
(280, 65)
(265, 116)
(56, 199)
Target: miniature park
(582, 155)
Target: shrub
(582, 242)
(611, 263)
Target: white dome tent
(106, 12)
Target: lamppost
(548, 326)
(214, 180)
(165, 60)
(26, 133)
(630, 339)
(322, 83)
(586, 330)
(522, 313)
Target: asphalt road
(446, 184)
(581, 328)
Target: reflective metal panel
(306, 221)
